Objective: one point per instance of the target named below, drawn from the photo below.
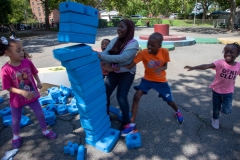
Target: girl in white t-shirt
(223, 85)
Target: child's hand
(189, 68)
(39, 85)
(99, 55)
(27, 94)
(108, 68)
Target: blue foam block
(72, 52)
(46, 100)
(87, 107)
(72, 109)
(71, 148)
(94, 137)
(1, 100)
(65, 91)
(78, 18)
(133, 140)
(114, 110)
(52, 89)
(76, 37)
(7, 121)
(90, 11)
(51, 107)
(95, 94)
(77, 28)
(54, 92)
(120, 116)
(95, 121)
(93, 76)
(84, 94)
(71, 7)
(5, 111)
(91, 113)
(62, 109)
(73, 64)
(81, 71)
(81, 152)
(62, 100)
(49, 116)
(50, 123)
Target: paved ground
(162, 136)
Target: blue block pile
(78, 23)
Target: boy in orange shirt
(155, 61)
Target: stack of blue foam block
(78, 23)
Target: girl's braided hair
(236, 45)
(5, 46)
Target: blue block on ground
(51, 107)
(95, 94)
(91, 113)
(95, 121)
(71, 148)
(73, 64)
(54, 93)
(81, 71)
(81, 152)
(71, 7)
(72, 109)
(1, 100)
(77, 28)
(114, 110)
(84, 94)
(46, 100)
(87, 107)
(62, 109)
(44, 110)
(95, 136)
(133, 140)
(90, 11)
(92, 77)
(65, 91)
(78, 18)
(62, 100)
(49, 116)
(50, 123)
(76, 37)
(7, 121)
(120, 116)
(5, 111)
(72, 52)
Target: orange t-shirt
(152, 63)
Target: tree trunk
(47, 12)
(232, 16)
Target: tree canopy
(5, 9)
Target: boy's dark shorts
(162, 88)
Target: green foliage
(152, 21)
(5, 9)
(102, 23)
(171, 21)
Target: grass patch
(188, 23)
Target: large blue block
(76, 37)
(72, 52)
(49, 116)
(73, 64)
(5, 112)
(78, 18)
(116, 111)
(81, 71)
(81, 152)
(77, 28)
(65, 91)
(72, 109)
(88, 107)
(71, 148)
(91, 76)
(94, 111)
(51, 107)
(7, 121)
(95, 122)
(90, 11)
(46, 100)
(71, 7)
(95, 94)
(62, 109)
(84, 94)
(1, 100)
(133, 140)
(96, 136)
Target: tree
(5, 9)
(232, 15)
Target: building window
(39, 13)
(33, 9)
(38, 8)
(33, 3)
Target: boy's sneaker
(179, 117)
(215, 123)
(128, 129)
(51, 135)
(17, 143)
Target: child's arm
(164, 67)
(26, 94)
(39, 85)
(200, 67)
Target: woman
(121, 51)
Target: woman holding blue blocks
(121, 51)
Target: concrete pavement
(162, 136)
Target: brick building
(38, 11)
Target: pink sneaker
(17, 143)
(51, 135)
